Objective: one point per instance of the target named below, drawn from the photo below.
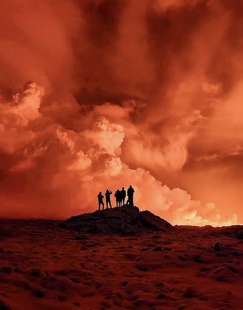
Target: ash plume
(122, 92)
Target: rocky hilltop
(118, 220)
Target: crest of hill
(122, 220)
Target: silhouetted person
(123, 196)
(108, 199)
(118, 198)
(100, 201)
(130, 193)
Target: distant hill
(123, 220)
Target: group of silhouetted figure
(120, 196)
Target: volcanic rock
(123, 220)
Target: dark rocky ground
(44, 266)
(123, 220)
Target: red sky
(124, 92)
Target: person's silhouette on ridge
(108, 199)
(118, 198)
(100, 201)
(130, 193)
(123, 196)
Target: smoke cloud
(103, 94)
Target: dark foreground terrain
(43, 266)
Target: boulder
(123, 220)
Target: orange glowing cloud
(125, 92)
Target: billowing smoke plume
(124, 92)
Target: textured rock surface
(43, 266)
(118, 220)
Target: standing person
(120, 198)
(108, 199)
(130, 193)
(117, 195)
(100, 201)
(123, 196)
